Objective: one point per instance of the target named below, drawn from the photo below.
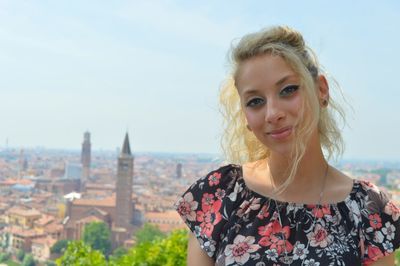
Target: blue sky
(155, 67)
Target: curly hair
(238, 143)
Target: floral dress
(236, 226)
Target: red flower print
(275, 236)
(375, 221)
(214, 179)
(207, 201)
(208, 217)
(319, 237)
(320, 211)
(374, 253)
(263, 213)
(220, 193)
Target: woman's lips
(280, 134)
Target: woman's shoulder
(380, 224)
(223, 177)
(209, 202)
(371, 194)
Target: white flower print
(378, 237)
(235, 191)
(209, 247)
(186, 207)
(239, 251)
(389, 230)
(355, 211)
(393, 210)
(388, 246)
(272, 254)
(311, 262)
(247, 206)
(300, 251)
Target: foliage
(28, 260)
(20, 254)
(98, 236)
(168, 251)
(50, 263)
(5, 240)
(148, 233)
(11, 263)
(79, 254)
(60, 246)
(119, 252)
(4, 257)
(397, 257)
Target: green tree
(28, 260)
(148, 233)
(60, 246)
(119, 252)
(98, 236)
(4, 257)
(20, 254)
(168, 251)
(79, 254)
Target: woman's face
(271, 99)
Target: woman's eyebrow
(282, 80)
(277, 84)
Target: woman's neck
(311, 168)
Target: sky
(154, 69)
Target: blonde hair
(238, 143)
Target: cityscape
(50, 195)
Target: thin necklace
(286, 258)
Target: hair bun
(285, 35)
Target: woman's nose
(274, 112)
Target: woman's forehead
(266, 70)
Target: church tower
(85, 159)
(124, 207)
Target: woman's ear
(323, 91)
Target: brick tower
(124, 207)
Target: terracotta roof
(107, 202)
(13, 181)
(15, 230)
(45, 219)
(23, 212)
(48, 240)
(167, 215)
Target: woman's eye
(255, 102)
(288, 90)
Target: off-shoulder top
(237, 226)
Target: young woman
(284, 205)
